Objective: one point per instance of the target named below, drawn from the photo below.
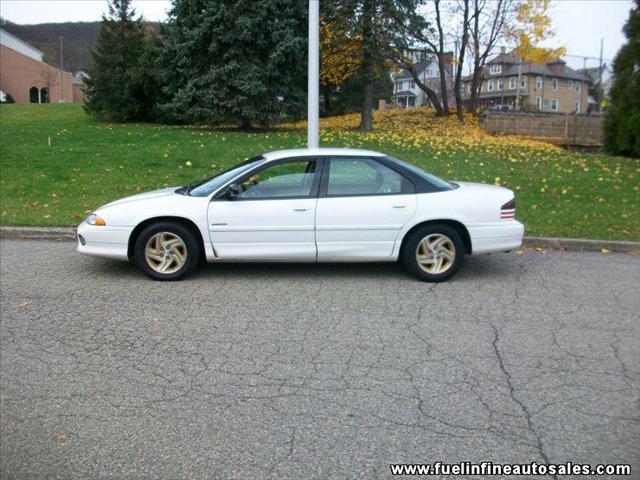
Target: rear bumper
(107, 242)
(496, 237)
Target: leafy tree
(376, 30)
(235, 61)
(340, 65)
(487, 27)
(622, 123)
(123, 82)
(531, 28)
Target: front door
(363, 205)
(271, 215)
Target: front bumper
(107, 242)
(502, 236)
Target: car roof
(311, 152)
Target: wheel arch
(149, 221)
(456, 225)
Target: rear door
(362, 207)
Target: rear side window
(364, 176)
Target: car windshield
(432, 179)
(203, 188)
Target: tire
(446, 242)
(169, 246)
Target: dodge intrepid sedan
(316, 205)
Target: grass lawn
(90, 163)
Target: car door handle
(300, 209)
(399, 206)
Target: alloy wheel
(435, 253)
(165, 252)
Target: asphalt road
(314, 371)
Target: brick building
(27, 78)
(545, 87)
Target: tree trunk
(441, 66)
(245, 124)
(463, 48)
(433, 96)
(326, 93)
(476, 81)
(443, 85)
(366, 114)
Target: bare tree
(420, 36)
(487, 27)
(460, 60)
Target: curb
(546, 243)
(49, 233)
(580, 245)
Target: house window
(490, 85)
(570, 84)
(554, 104)
(554, 84)
(578, 86)
(501, 84)
(523, 82)
(539, 103)
(538, 83)
(578, 106)
(412, 85)
(495, 69)
(512, 83)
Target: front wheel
(167, 251)
(433, 253)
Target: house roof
(511, 63)
(537, 69)
(419, 68)
(594, 72)
(14, 43)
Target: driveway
(314, 371)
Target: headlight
(94, 219)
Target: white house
(406, 93)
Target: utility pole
(600, 89)
(313, 86)
(61, 73)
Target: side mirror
(233, 191)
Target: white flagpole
(313, 129)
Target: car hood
(163, 192)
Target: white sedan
(319, 205)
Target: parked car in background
(318, 205)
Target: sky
(579, 24)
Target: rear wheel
(433, 253)
(167, 251)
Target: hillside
(78, 39)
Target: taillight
(508, 210)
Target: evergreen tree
(235, 61)
(123, 83)
(622, 123)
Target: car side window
(364, 176)
(282, 180)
